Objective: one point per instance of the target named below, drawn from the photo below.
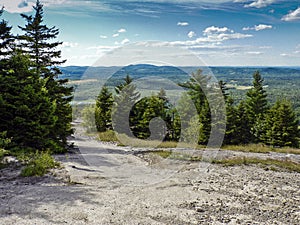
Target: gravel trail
(105, 184)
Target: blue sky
(220, 32)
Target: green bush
(108, 136)
(39, 165)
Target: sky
(216, 32)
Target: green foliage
(280, 127)
(125, 98)
(5, 37)
(108, 136)
(37, 42)
(232, 135)
(4, 141)
(197, 88)
(26, 110)
(88, 116)
(147, 109)
(103, 109)
(256, 106)
(39, 165)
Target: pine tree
(6, 38)
(256, 106)
(124, 100)
(231, 133)
(147, 109)
(26, 111)
(103, 109)
(37, 43)
(242, 134)
(281, 126)
(197, 87)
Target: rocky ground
(105, 184)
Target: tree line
(35, 110)
(252, 120)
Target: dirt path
(106, 184)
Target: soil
(102, 183)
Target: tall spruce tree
(242, 125)
(6, 44)
(256, 106)
(197, 87)
(27, 113)
(103, 109)
(6, 38)
(149, 108)
(125, 98)
(281, 126)
(37, 42)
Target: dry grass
(260, 148)
(123, 140)
(175, 155)
(108, 136)
(272, 164)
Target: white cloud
(125, 41)
(260, 3)
(67, 44)
(284, 54)
(122, 30)
(293, 15)
(23, 6)
(211, 36)
(116, 35)
(213, 29)
(17, 6)
(101, 49)
(191, 34)
(182, 24)
(254, 53)
(103, 36)
(259, 27)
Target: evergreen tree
(281, 125)
(6, 38)
(149, 108)
(125, 99)
(103, 109)
(243, 134)
(231, 133)
(256, 106)
(37, 43)
(26, 111)
(197, 87)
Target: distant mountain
(241, 75)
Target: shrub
(39, 165)
(108, 136)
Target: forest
(254, 119)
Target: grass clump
(272, 163)
(260, 148)
(39, 165)
(163, 154)
(108, 136)
(176, 155)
